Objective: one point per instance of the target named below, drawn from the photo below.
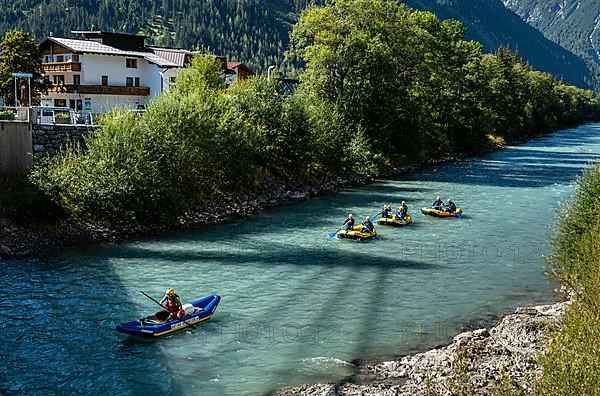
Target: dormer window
(131, 63)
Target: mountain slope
(256, 31)
(491, 23)
(573, 24)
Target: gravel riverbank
(479, 362)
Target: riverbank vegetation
(572, 362)
(382, 85)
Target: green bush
(21, 200)
(572, 363)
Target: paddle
(458, 215)
(333, 234)
(189, 324)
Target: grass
(572, 362)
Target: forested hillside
(573, 24)
(256, 31)
(492, 24)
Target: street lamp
(269, 70)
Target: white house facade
(103, 70)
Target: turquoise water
(296, 306)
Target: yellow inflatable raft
(395, 222)
(441, 213)
(356, 233)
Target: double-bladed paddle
(191, 326)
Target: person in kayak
(173, 306)
(367, 225)
(349, 222)
(385, 213)
(450, 206)
(402, 210)
(438, 204)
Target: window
(76, 79)
(131, 63)
(75, 57)
(60, 102)
(79, 105)
(129, 81)
(172, 80)
(46, 59)
(58, 79)
(72, 103)
(60, 58)
(137, 82)
(104, 80)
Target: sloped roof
(94, 47)
(235, 65)
(174, 55)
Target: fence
(19, 114)
(61, 116)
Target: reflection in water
(296, 306)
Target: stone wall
(49, 139)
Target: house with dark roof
(103, 70)
(237, 71)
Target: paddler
(450, 206)
(367, 225)
(173, 306)
(349, 222)
(402, 210)
(385, 213)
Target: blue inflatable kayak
(155, 325)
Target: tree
(20, 53)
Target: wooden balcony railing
(100, 89)
(61, 67)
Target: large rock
(474, 362)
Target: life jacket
(173, 303)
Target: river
(296, 306)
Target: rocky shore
(499, 360)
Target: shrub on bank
(572, 362)
(383, 85)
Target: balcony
(99, 90)
(60, 67)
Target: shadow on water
(58, 333)
(274, 255)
